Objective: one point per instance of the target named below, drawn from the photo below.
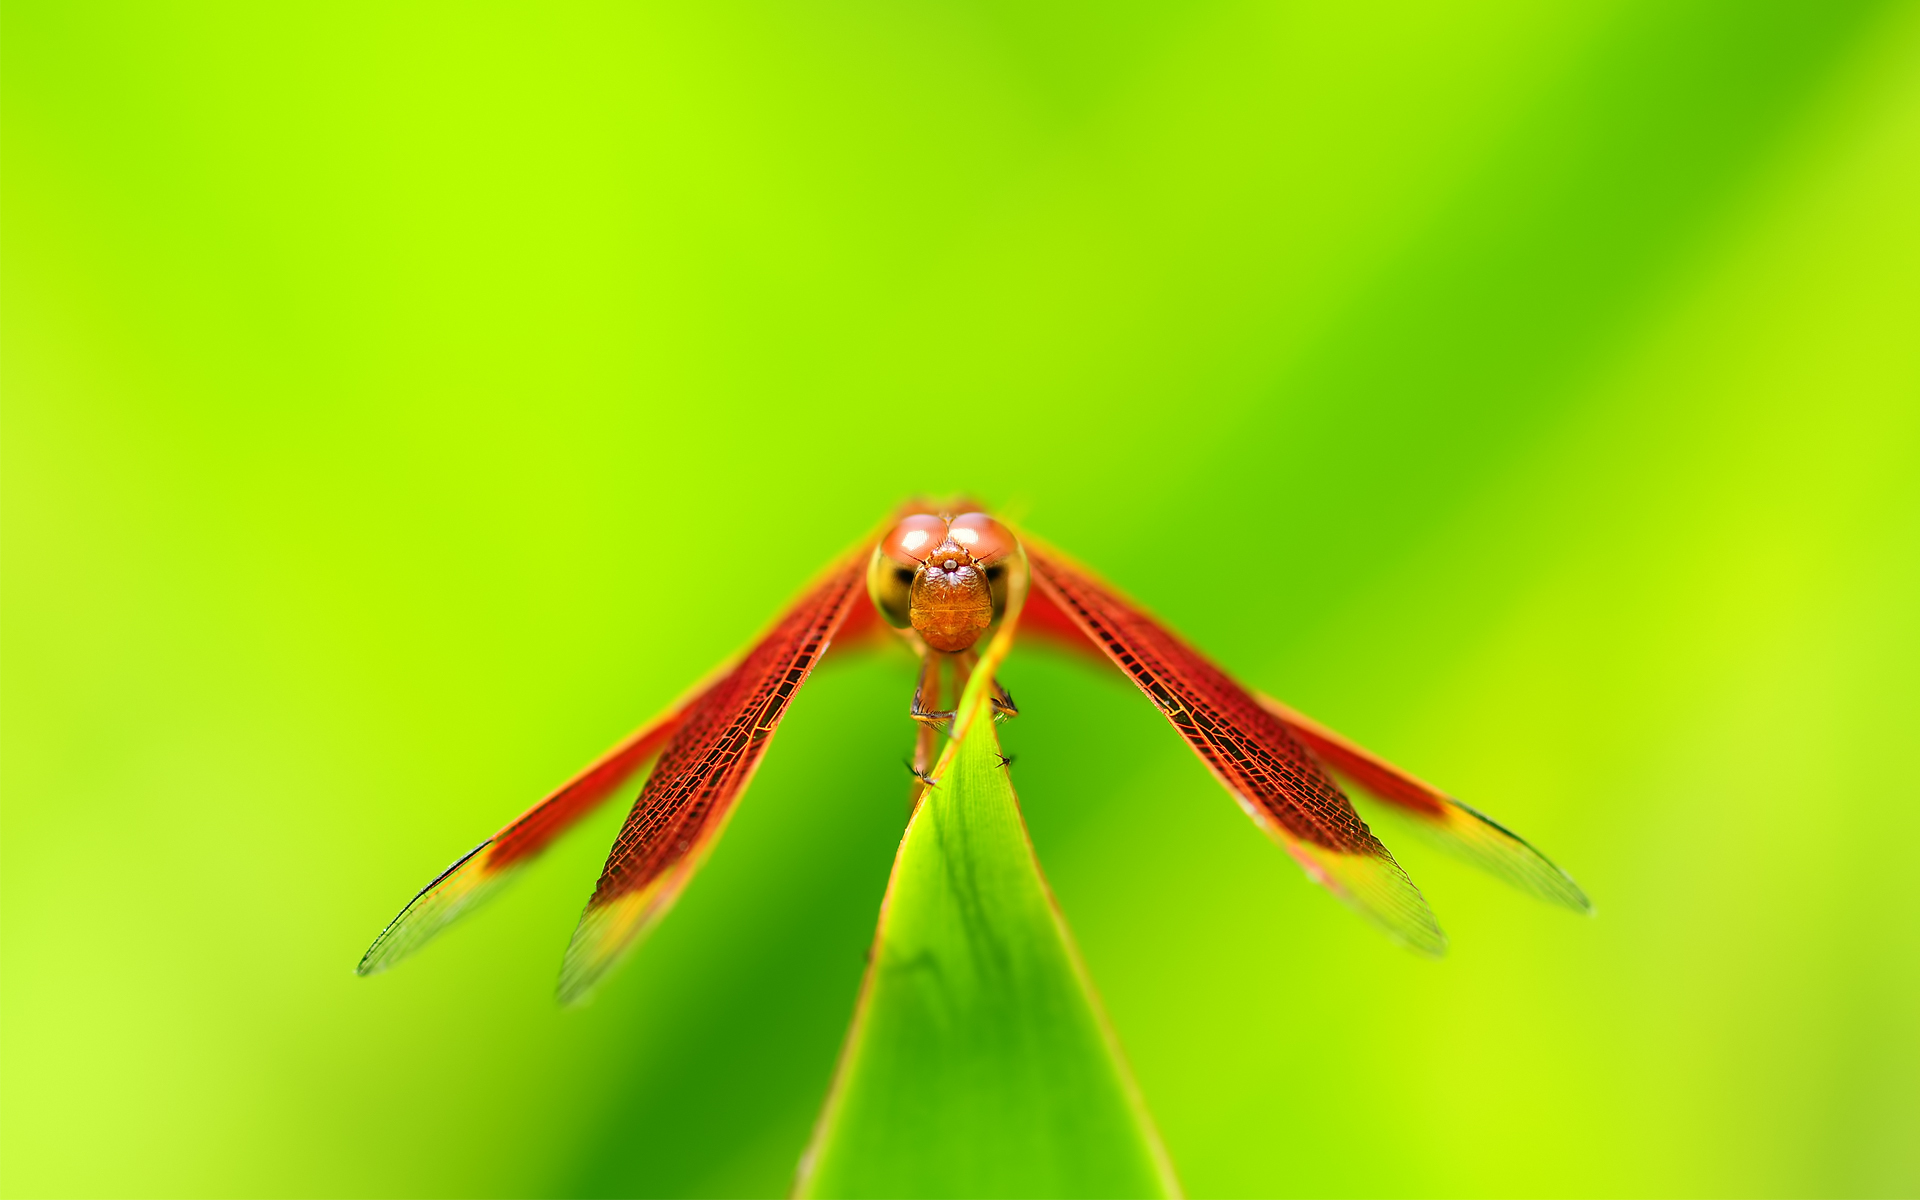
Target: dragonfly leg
(927, 692)
(941, 676)
(926, 748)
(933, 723)
(1003, 705)
(942, 672)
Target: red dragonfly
(941, 582)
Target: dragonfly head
(944, 577)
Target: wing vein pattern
(690, 794)
(1454, 827)
(480, 872)
(1275, 778)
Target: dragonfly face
(942, 576)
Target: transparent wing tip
(605, 934)
(459, 889)
(1375, 886)
(1502, 852)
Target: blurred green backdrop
(403, 401)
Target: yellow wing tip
(606, 933)
(456, 891)
(1376, 887)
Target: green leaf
(979, 1062)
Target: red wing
(1458, 828)
(1277, 781)
(480, 872)
(863, 628)
(687, 799)
(1461, 829)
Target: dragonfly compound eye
(992, 545)
(983, 537)
(895, 561)
(909, 542)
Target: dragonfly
(943, 577)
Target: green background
(402, 402)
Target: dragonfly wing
(480, 872)
(1463, 830)
(1458, 828)
(1276, 779)
(702, 771)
